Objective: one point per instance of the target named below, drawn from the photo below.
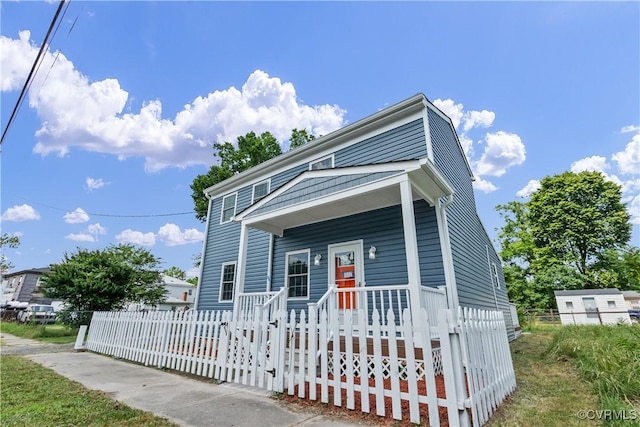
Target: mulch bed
(370, 418)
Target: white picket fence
(377, 367)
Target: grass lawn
(564, 370)
(58, 334)
(32, 395)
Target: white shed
(592, 307)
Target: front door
(591, 309)
(346, 270)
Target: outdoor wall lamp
(316, 259)
(372, 252)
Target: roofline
(334, 138)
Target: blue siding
(405, 142)
(468, 237)
(315, 188)
(381, 228)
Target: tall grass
(609, 358)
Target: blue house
(380, 213)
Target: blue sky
(125, 117)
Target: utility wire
(110, 215)
(34, 67)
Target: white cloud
(76, 217)
(634, 210)
(484, 185)
(629, 159)
(76, 112)
(592, 164)
(80, 237)
(90, 235)
(630, 128)
(451, 109)
(503, 150)
(171, 235)
(94, 184)
(531, 187)
(20, 213)
(136, 237)
(482, 118)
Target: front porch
(359, 302)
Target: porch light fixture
(316, 259)
(372, 252)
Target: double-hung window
(297, 274)
(227, 281)
(228, 207)
(496, 276)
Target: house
(379, 213)
(632, 299)
(24, 286)
(592, 307)
(180, 295)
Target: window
(569, 304)
(228, 207)
(323, 163)
(227, 280)
(260, 190)
(611, 304)
(297, 274)
(496, 276)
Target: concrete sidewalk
(185, 401)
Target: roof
(577, 292)
(28, 271)
(631, 294)
(174, 281)
(405, 108)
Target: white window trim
(321, 159)
(253, 190)
(286, 273)
(235, 205)
(235, 271)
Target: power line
(110, 215)
(34, 67)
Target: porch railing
(246, 302)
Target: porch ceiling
(426, 182)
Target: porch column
(240, 265)
(411, 245)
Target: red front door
(345, 277)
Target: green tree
(251, 150)
(9, 241)
(560, 238)
(576, 217)
(105, 280)
(299, 138)
(175, 272)
(193, 281)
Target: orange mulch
(371, 418)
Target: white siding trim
(321, 159)
(411, 244)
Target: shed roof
(606, 291)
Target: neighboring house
(592, 307)
(632, 299)
(180, 296)
(383, 205)
(24, 286)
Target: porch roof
(320, 195)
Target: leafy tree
(175, 272)
(250, 151)
(10, 242)
(105, 280)
(193, 281)
(300, 138)
(624, 265)
(563, 238)
(576, 217)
